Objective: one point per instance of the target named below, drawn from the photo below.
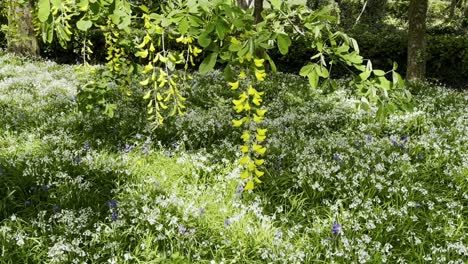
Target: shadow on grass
(65, 185)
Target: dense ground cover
(341, 187)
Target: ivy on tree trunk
(21, 37)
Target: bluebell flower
(77, 160)
(56, 208)
(114, 216)
(404, 137)
(182, 230)
(145, 150)
(45, 188)
(421, 156)
(202, 210)
(33, 188)
(227, 222)
(336, 228)
(87, 146)
(138, 136)
(279, 234)
(127, 148)
(395, 144)
(112, 204)
(336, 157)
(27, 203)
(369, 138)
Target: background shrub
(447, 54)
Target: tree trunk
(258, 8)
(417, 12)
(21, 37)
(244, 4)
(453, 4)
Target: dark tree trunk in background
(375, 12)
(453, 5)
(417, 13)
(22, 38)
(258, 8)
(244, 4)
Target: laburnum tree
(159, 46)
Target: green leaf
(44, 10)
(384, 83)
(144, 8)
(84, 25)
(378, 72)
(313, 79)
(204, 40)
(283, 43)
(208, 63)
(364, 75)
(355, 45)
(83, 5)
(322, 72)
(307, 69)
(229, 74)
(272, 63)
(221, 28)
(183, 26)
(276, 4)
(56, 3)
(142, 54)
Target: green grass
(83, 188)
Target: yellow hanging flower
(261, 113)
(237, 123)
(261, 132)
(251, 166)
(259, 62)
(259, 137)
(244, 160)
(260, 75)
(180, 39)
(249, 186)
(247, 106)
(257, 119)
(251, 90)
(239, 108)
(234, 85)
(242, 75)
(244, 149)
(246, 136)
(245, 174)
(259, 162)
(259, 149)
(259, 173)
